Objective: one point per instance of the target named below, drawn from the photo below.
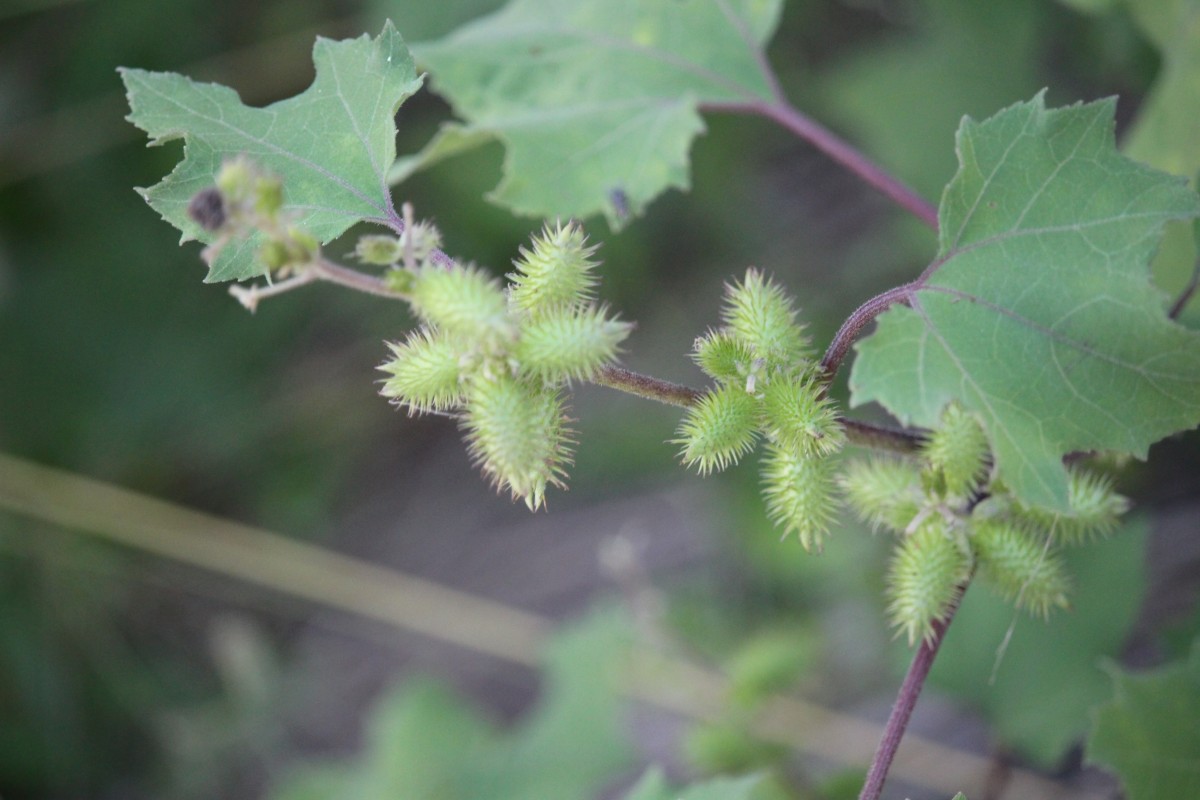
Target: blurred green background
(126, 675)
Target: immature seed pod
(466, 302)
(1095, 510)
(555, 273)
(798, 492)
(927, 568)
(718, 429)
(1022, 567)
(883, 492)
(761, 313)
(568, 344)
(958, 451)
(723, 356)
(799, 416)
(426, 373)
(517, 434)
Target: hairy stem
(854, 324)
(863, 434)
(820, 137)
(906, 700)
(644, 386)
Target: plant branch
(854, 324)
(644, 386)
(820, 137)
(320, 270)
(1185, 296)
(863, 434)
(647, 387)
(906, 700)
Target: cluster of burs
(952, 519)
(499, 358)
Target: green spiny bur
(759, 312)
(426, 372)
(798, 492)
(1095, 510)
(799, 416)
(568, 344)
(1024, 568)
(555, 273)
(466, 302)
(517, 435)
(724, 356)
(883, 492)
(958, 451)
(718, 429)
(923, 579)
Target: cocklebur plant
(499, 359)
(1032, 338)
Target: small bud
(379, 249)
(275, 255)
(207, 209)
(268, 195)
(236, 179)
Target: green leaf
(1036, 681)
(1148, 734)
(1164, 132)
(903, 96)
(653, 786)
(426, 744)
(597, 100)
(332, 145)
(1038, 313)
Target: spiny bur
(798, 491)
(883, 492)
(426, 371)
(718, 429)
(759, 312)
(1023, 567)
(958, 452)
(927, 568)
(555, 273)
(517, 434)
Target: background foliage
(126, 675)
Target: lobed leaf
(596, 101)
(1148, 735)
(332, 145)
(1038, 314)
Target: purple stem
(839, 150)
(906, 700)
(854, 324)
